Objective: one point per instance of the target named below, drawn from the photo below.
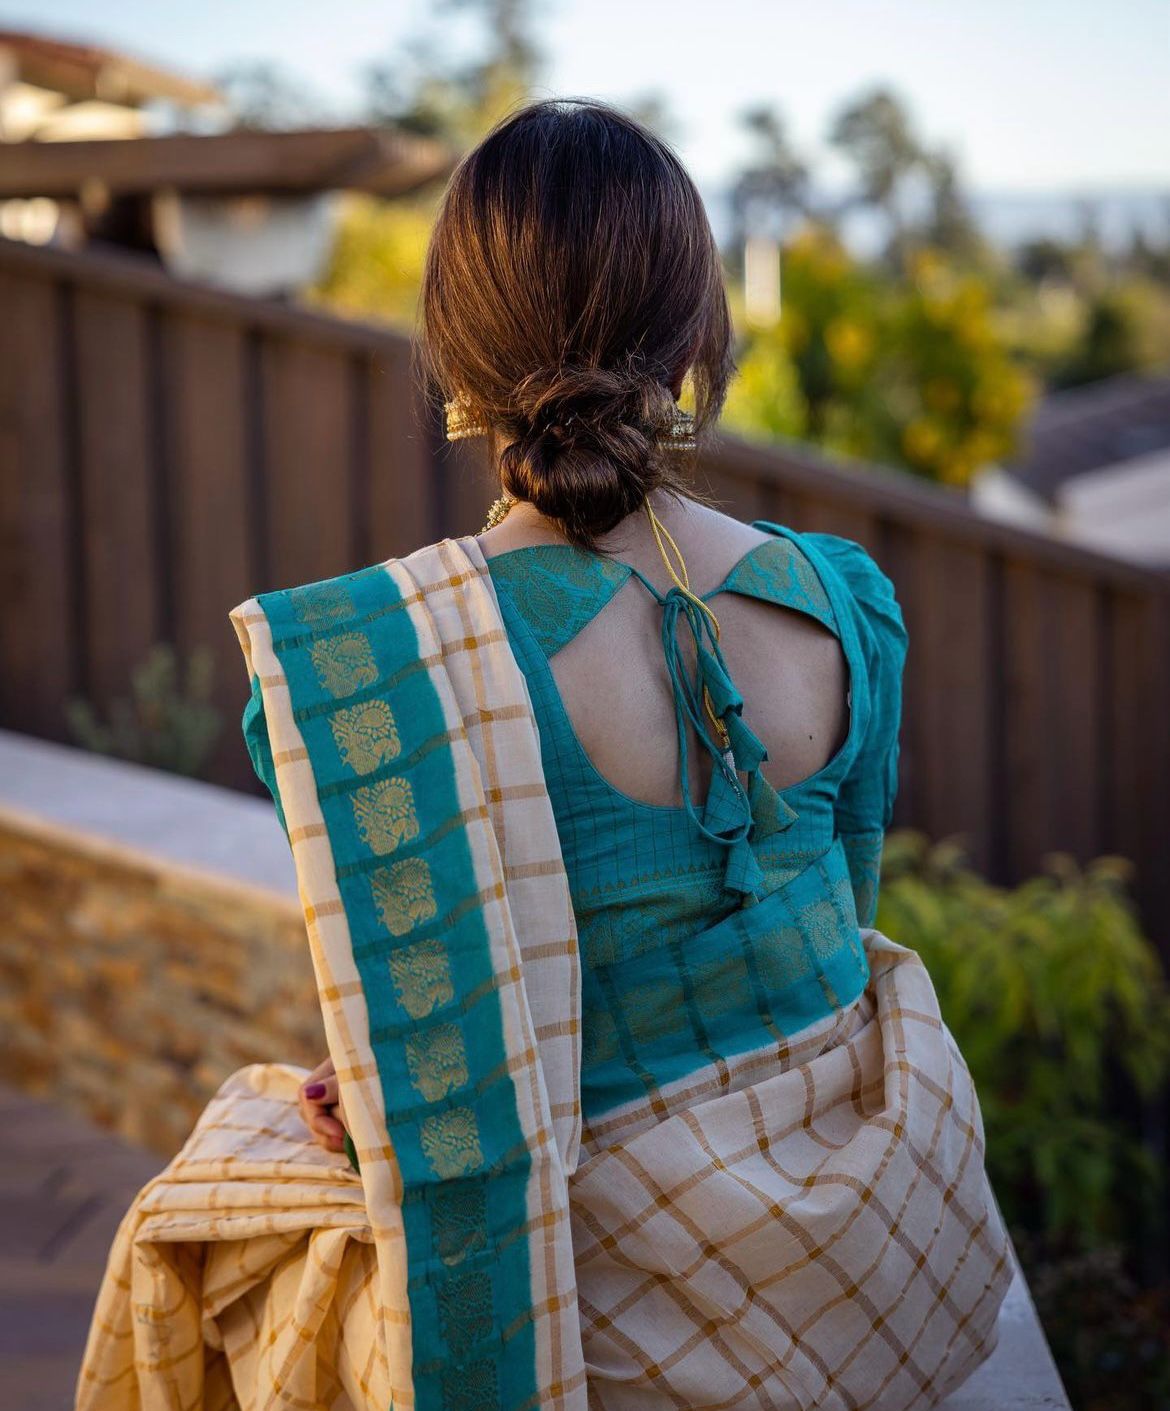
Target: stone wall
(131, 987)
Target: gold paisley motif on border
(366, 735)
(385, 814)
(403, 895)
(450, 1142)
(422, 977)
(344, 664)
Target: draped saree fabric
(803, 1226)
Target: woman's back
(613, 680)
(707, 929)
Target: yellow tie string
(681, 580)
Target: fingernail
(314, 1090)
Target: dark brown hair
(572, 277)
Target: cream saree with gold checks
(808, 1226)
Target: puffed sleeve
(865, 803)
(255, 728)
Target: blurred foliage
(263, 97)
(928, 354)
(909, 372)
(376, 265)
(168, 720)
(1056, 999)
(924, 355)
(377, 261)
(1060, 1007)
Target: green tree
(1110, 343)
(949, 224)
(774, 190)
(265, 97)
(423, 92)
(874, 133)
(909, 373)
(377, 261)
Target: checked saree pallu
(808, 1226)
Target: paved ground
(63, 1188)
(65, 1185)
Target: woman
(587, 814)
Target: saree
(804, 1226)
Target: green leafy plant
(1058, 1003)
(168, 720)
(909, 371)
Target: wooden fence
(167, 450)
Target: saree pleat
(807, 1226)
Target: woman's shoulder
(849, 572)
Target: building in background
(1095, 468)
(54, 91)
(90, 155)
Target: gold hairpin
(462, 424)
(680, 432)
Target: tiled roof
(1087, 428)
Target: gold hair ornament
(462, 424)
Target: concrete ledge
(231, 836)
(1020, 1374)
(178, 820)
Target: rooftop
(375, 160)
(82, 72)
(1088, 428)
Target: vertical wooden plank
(212, 566)
(812, 513)
(38, 669)
(942, 589)
(305, 398)
(726, 493)
(1136, 810)
(1073, 753)
(118, 505)
(467, 482)
(401, 477)
(1052, 683)
(831, 515)
(775, 503)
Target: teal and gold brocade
(378, 741)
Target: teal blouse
(724, 925)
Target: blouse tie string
(707, 701)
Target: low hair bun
(582, 445)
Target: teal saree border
(380, 751)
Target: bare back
(612, 676)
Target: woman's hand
(320, 1102)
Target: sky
(1028, 95)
